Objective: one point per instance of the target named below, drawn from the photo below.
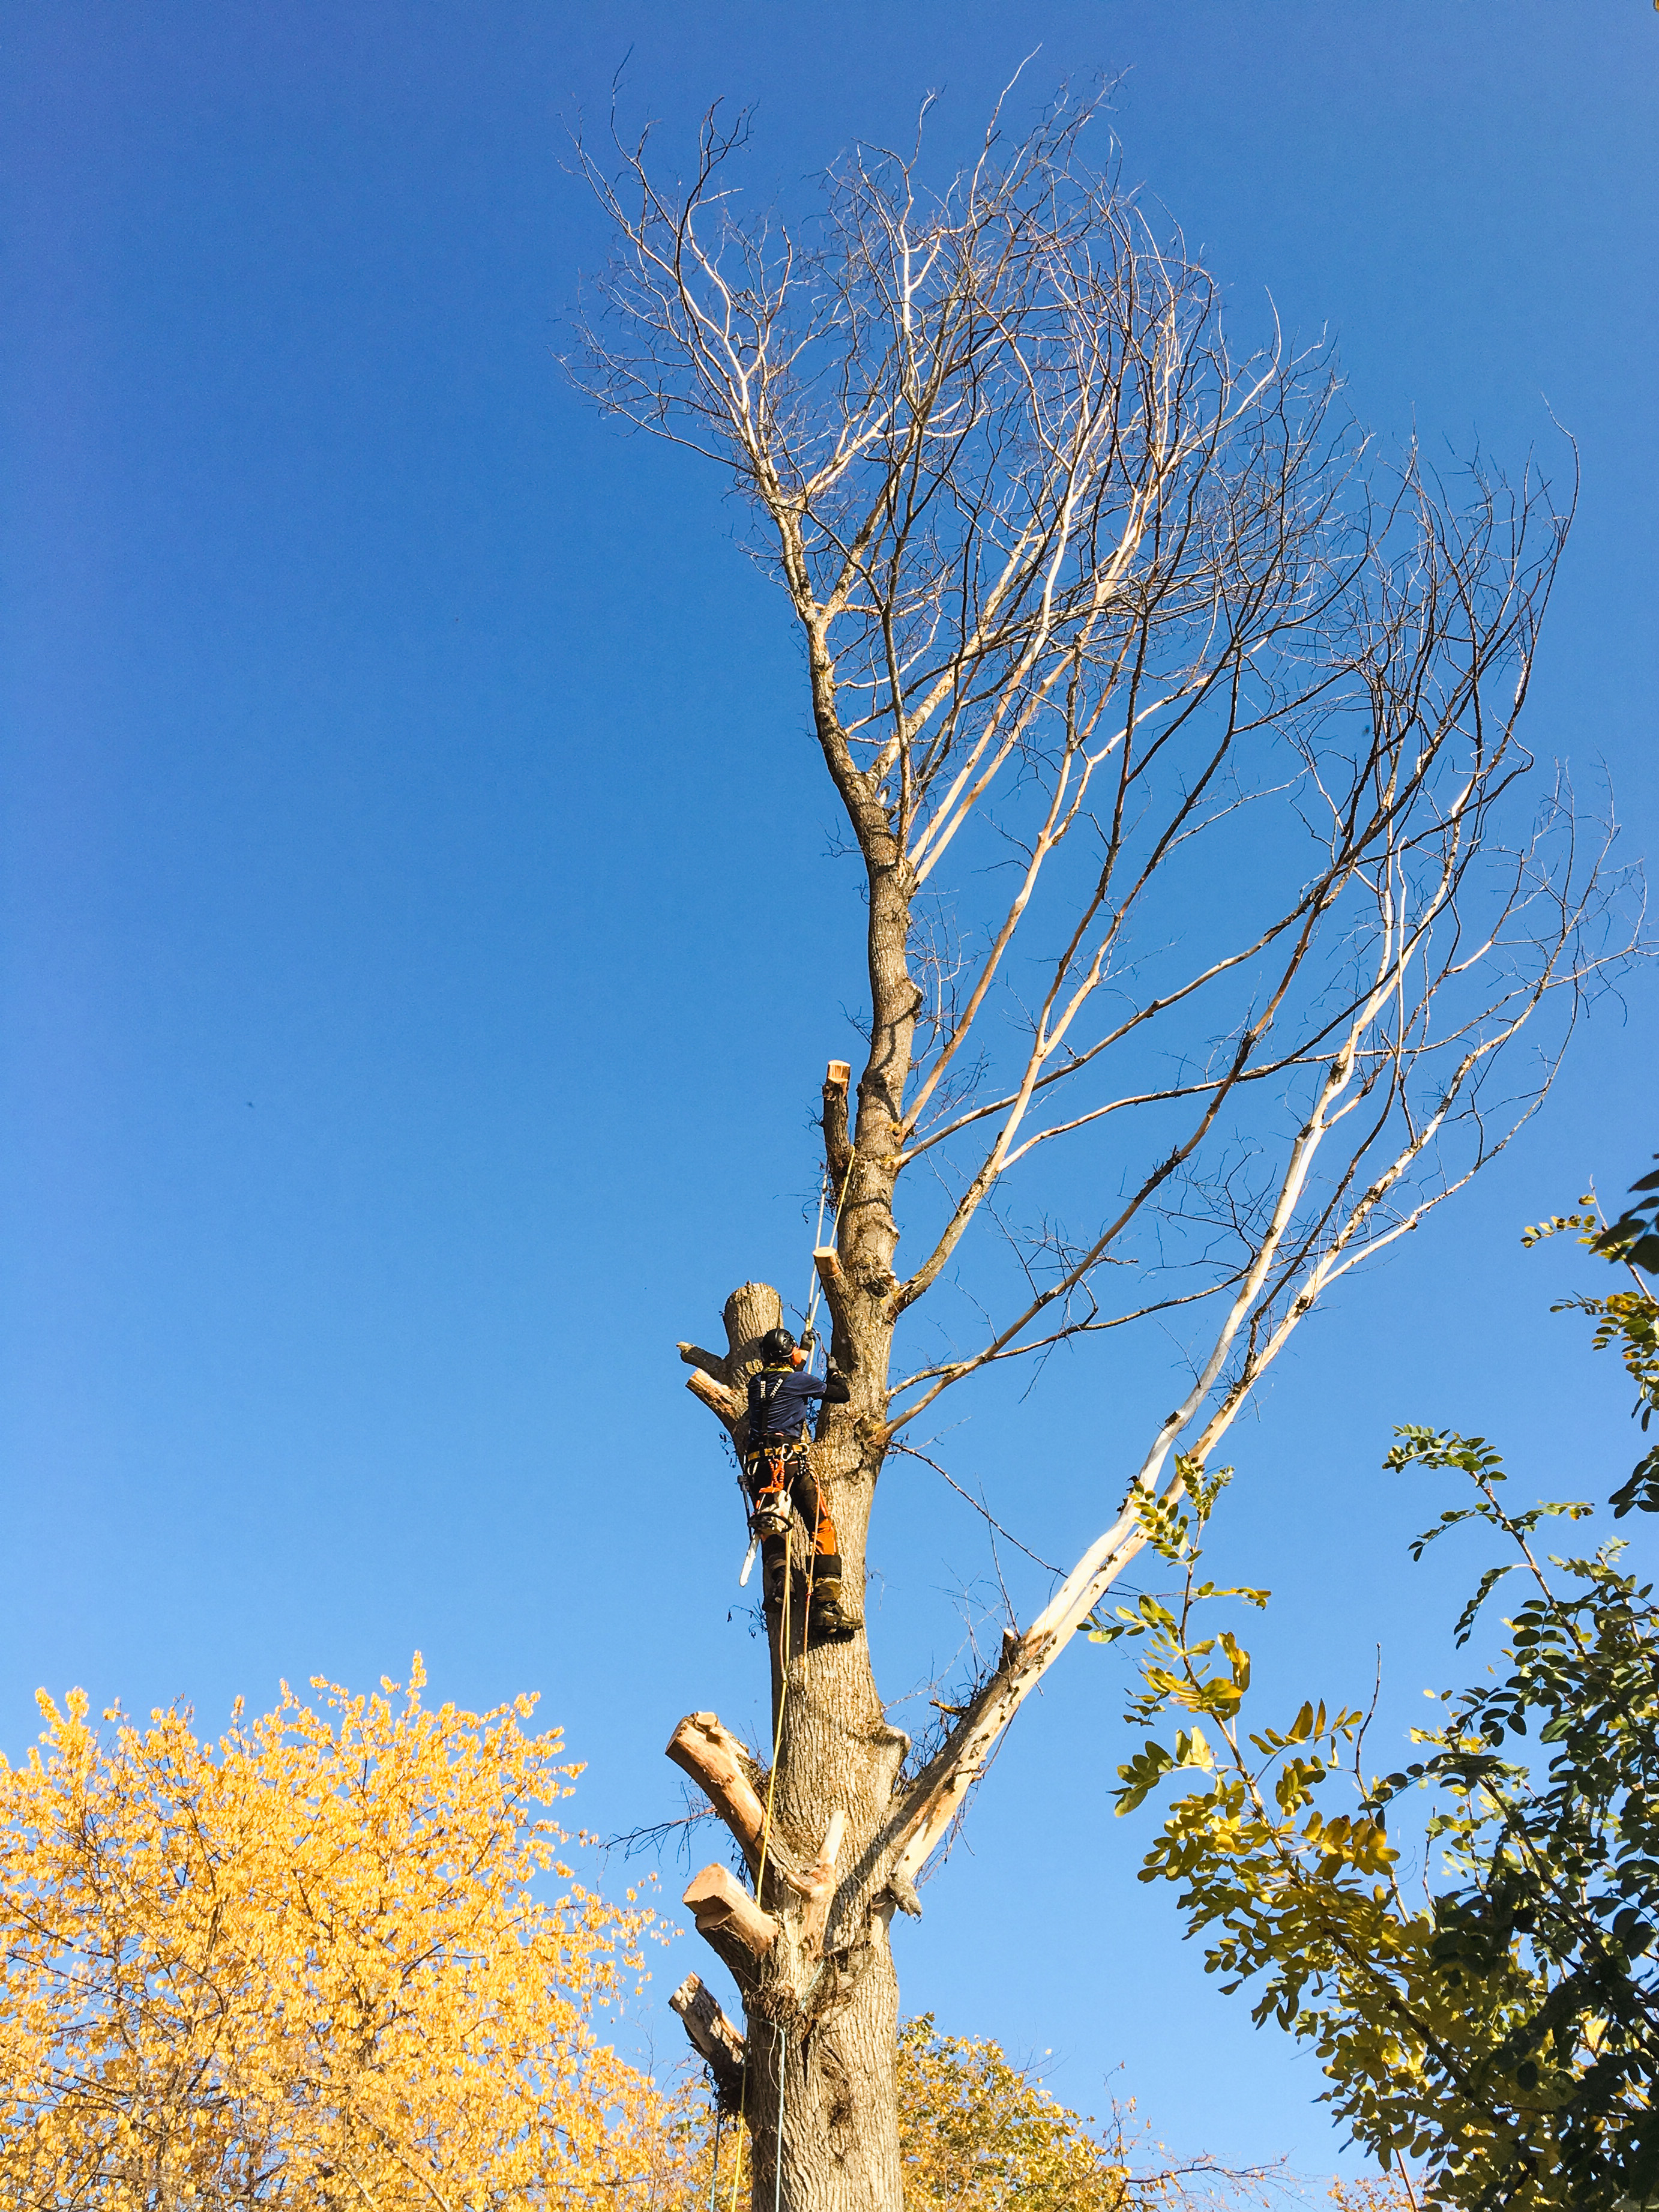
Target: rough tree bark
(821, 2001)
(1098, 616)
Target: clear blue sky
(405, 782)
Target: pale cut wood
(718, 1764)
(818, 1887)
(833, 1276)
(749, 1313)
(717, 1397)
(713, 2035)
(721, 1905)
(839, 1074)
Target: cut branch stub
(837, 1141)
(719, 1766)
(749, 1313)
(712, 2036)
(818, 1887)
(722, 1383)
(730, 1405)
(711, 1362)
(832, 1275)
(726, 1915)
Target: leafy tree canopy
(1501, 2026)
(306, 1966)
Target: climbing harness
(778, 1518)
(773, 1513)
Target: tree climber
(778, 1467)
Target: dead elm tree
(1206, 890)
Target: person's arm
(832, 1390)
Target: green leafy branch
(1505, 2029)
(1629, 1319)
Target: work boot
(829, 1614)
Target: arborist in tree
(780, 1476)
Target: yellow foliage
(1374, 2195)
(332, 1960)
(981, 2135)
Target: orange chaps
(780, 1469)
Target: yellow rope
(737, 2171)
(777, 1738)
(766, 1836)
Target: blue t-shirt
(788, 1394)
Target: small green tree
(1503, 2029)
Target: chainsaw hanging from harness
(778, 1469)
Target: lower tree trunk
(837, 2076)
(810, 1949)
(822, 2014)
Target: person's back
(780, 1401)
(782, 1394)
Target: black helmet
(777, 1346)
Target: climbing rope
(736, 2177)
(818, 1239)
(715, 2170)
(777, 2140)
(760, 1873)
(835, 1230)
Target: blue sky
(405, 786)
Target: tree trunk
(821, 1998)
(827, 2023)
(840, 2133)
(810, 1954)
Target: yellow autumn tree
(334, 1959)
(979, 2133)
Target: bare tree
(1223, 710)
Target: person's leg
(774, 1579)
(768, 1471)
(813, 1508)
(829, 1615)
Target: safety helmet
(777, 1346)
